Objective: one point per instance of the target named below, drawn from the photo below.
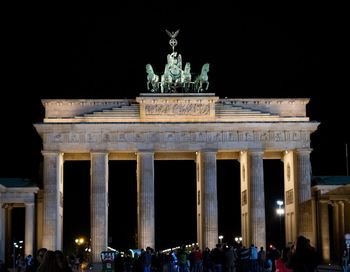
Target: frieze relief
(178, 109)
(14, 197)
(74, 138)
(172, 136)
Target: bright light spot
(238, 239)
(279, 202)
(280, 211)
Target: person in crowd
(146, 259)
(196, 260)
(244, 259)
(281, 263)
(3, 267)
(137, 264)
(49, 263)
(268, 265)
(39, 256)
(20, 263)
(261, 259)
(206, 260)
(218, 258)
(345, 260)
(182, 258)
(172, 261)
(29, 262)
(62, 261)
(253, 251)
(230, 259)
(273, 254)
(304, 258)
(129, 262)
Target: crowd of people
(299, 257)
(44, 261)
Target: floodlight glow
(279, 202)
(280, 211)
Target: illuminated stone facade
(207, 129)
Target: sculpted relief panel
(181, 137)
(177, 109)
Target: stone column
(39, 218)
(8, 230)
(341, 221)
(53, 204)
(99, 204)
(29, 229)
(305, 215)
(245, 206)
(304, 174)
(2, 231)
(291, 198)
(207, 203)
(324, 230)
(341, 228)
(145, 200)
(338, 238)
(347, 216)
(257, 199)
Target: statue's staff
(172, 35)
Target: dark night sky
(260, 52)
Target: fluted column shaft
(2, 232)
(290, 196)
(207, 202)
(99, 204)
(347, 216)
(8, 229)
(29, 229)
(324, 230)
(53, 207)
(304, 174)
(305, 208)
(145, 200)
(336, 232)
(257, 199)
(338, 228)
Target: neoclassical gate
(198, 126)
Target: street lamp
(280, 213)
(220, 238)
(280, 210)
(16, 245)
(79, 242)
(238, 240)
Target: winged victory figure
(172, 34)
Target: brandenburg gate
(200, 127)
(170, 121)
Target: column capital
(252, 150)
(303, 151)
(208, 150)
(324, 201)
(145, 151)
(51, 153)
(256, 151)
(99, 153)
(7, 205)
(338, 202)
